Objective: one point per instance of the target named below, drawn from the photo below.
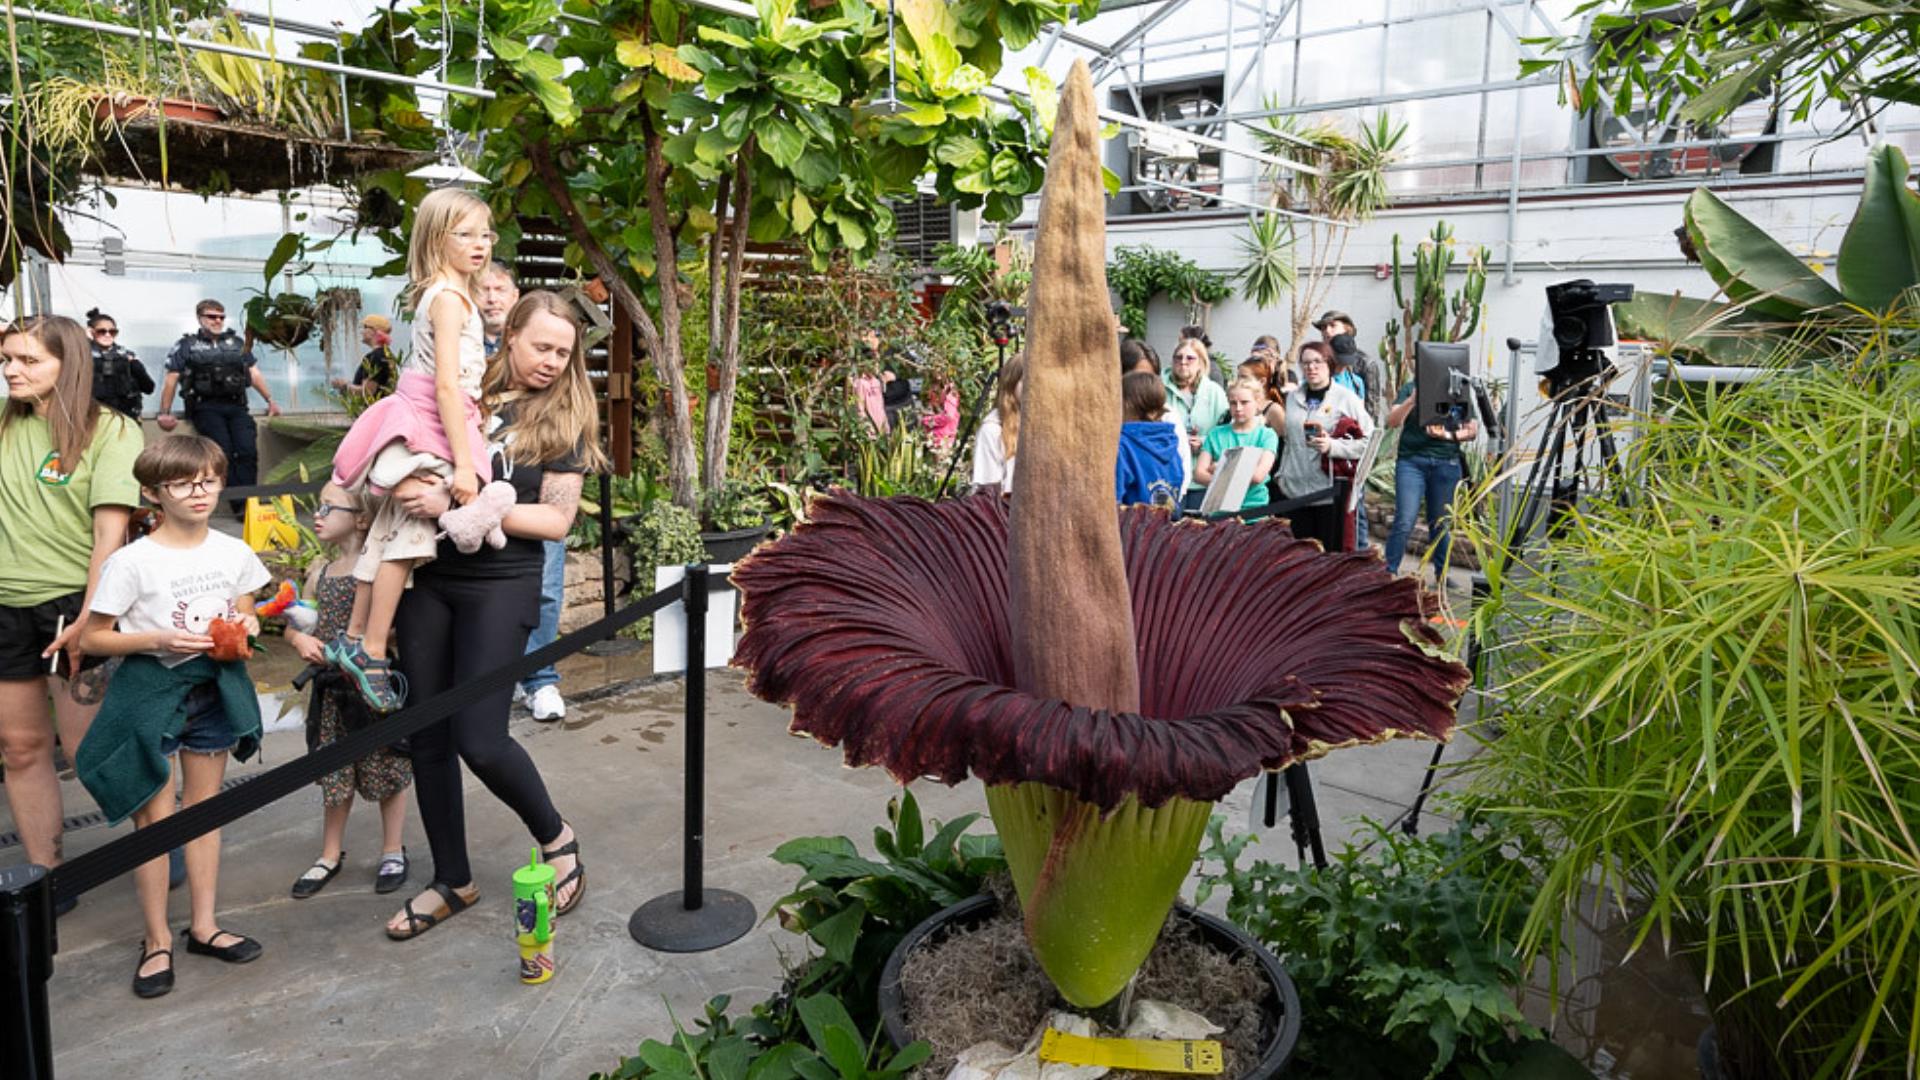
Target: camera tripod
(1578, 410)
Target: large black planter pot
(732, 546)
(1282, 1007)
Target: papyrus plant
(1108, 674)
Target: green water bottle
(533, 919)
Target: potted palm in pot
(1048, 646)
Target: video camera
(1577, 329)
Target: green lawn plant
(1709, 704)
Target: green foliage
(1427, 311)
(1710, 701)
(900, 461)
(738, 503)
(663, 533)
(855, 909)
(1700, 62)
(1268, 271)
(824, 1024)
(298, 100)
(1403, 958)
(1139, 273)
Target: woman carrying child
(430, 427)
(177, 604)
(335, 708)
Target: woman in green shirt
(1193, 400)
(66, 494)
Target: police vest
(215, 371)
(113, 379)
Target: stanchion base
(664, 923)
(614, 646)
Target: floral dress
(380, 774)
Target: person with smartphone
(1315, 410)
(67, 492)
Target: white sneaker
(546, 703)
(519, 693)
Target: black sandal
(392, 873)
(571, 847)
(158, 983)
(419, 923)
(306, 884)
(241, 951)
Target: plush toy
(229, 640)
(478, 522)
(286, 604)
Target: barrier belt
(1277, 509)
(102, 865)
(268, 491)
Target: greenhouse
(643, 446)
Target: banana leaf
(1880, 256)
(1752, 267)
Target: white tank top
(473, 349)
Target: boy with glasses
(162, 602)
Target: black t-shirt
(376, 369)
(521, 557)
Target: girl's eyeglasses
(320, 512)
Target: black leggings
(451, 631)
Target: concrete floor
(332, 991)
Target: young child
(429, 430)
(335, 707)
(1245, 427)
(161, 603)
(1150, 467)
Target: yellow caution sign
(1191, 1056)
(269, 524)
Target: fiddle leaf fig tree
(666, 138)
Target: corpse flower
(996, 639)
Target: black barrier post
(26, 963)
(613, 645)
(693, 918)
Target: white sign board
(670, 622)
(1232, 476)
(1364, 466)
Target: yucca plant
(1711, 704)
(1050, 648)
(1267, 272)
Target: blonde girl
(429, 429)
(999, 438)
(1246, 427)
(1193, 399)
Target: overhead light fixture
(448, 173)
(889, 105)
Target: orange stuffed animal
(229, 640)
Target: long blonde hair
(1006, 398)
(72, 414)
(564, 418)
(436, 217)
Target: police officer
(120, 380)
(216, 368)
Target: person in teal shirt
(1246, 400)
(1194, 401)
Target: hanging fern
(1139, 273)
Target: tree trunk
(682, 463)
(663, 350)
(723, 346)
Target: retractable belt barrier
(100, 866)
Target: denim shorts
(207, 731)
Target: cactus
(1427, 312)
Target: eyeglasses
(180, 489)
(105, 331)
(215, 316)
(465, 237)
(320, 512)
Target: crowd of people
(124, 613)
(1304, 420)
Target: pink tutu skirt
(409, 415)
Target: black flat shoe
(307, 884)
(393, 872)
(158, 983)
(240, 951)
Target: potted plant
(734, 518)
(1048, 646)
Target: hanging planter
(285, 321)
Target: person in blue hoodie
(1150, 468)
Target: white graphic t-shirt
(146, 586)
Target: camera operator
(1429, 468)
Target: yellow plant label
(1191, 1056)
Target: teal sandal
(382, 688)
